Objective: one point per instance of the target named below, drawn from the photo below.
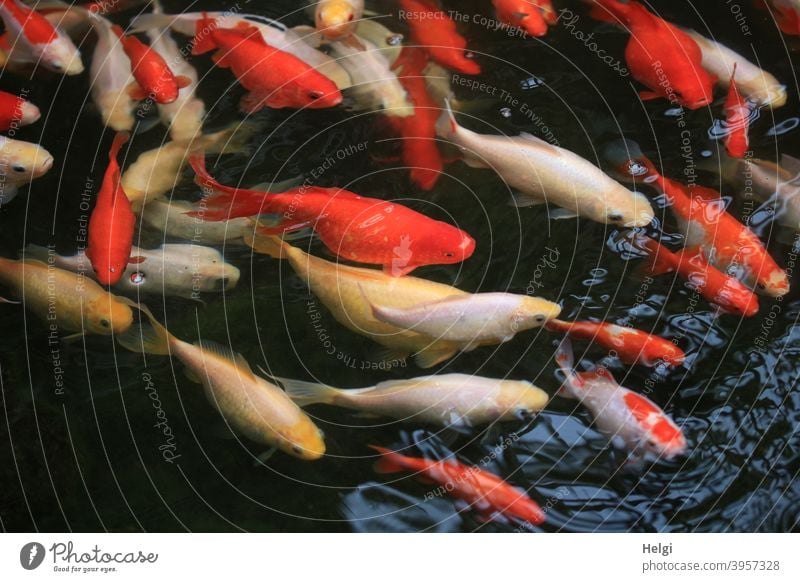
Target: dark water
(89, 459)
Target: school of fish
(400, 70)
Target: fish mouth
(47, 164)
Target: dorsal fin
(226, 353)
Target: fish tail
(146, 336)
(120, 139)
(388, 462)
(446, 125)
(629, 161)
(269, 245)
(307, 393)
(203, 41)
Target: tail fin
(446, 125)
(148, 337)
(204, 35)
(387, 463)
(120, 139)
(197, 161)
(307, 393)
(272, 246)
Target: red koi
(154, 78)
(436, 33)
(359, 229)
(660, 55)
(487, 494)
(111, 224)
(532, 16)
(32, 38)
(737, 113)
(727, 243)
(712, 284)
(273, 78)
(631, 345)
(418, 132)
(16, 111)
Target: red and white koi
(629, 419)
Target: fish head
(522, 397)
(625, 209)
(28, 113)
(303, 440)
(443, 245)
(534, 312)
(23, 161)
(735, 298)
(697, 91)
(773, 282)
(61, 56)
(107, 315)
(336, 19)
(315, 91)
(108, 271)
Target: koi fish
(532, 16)
(295, 41)
(737, 121)
(727, 243)
(338, 19)
(156, 172)
(253, 407)
(486, 494)
(154, 78)
(16, 111)
(418, 131)
(472, 320)
(444, 399)
(712, 284)
(111, 224)
(79, 304)
(174, 270)
(22, 163)
(630, 419)
(545, 173)
(374, 85)
(632, 346)
(753, 82)
(184, 116)
(273, 78)
(30, 38)
(660, 55)
(111, 76)
(348, 293)
(365, 230)
(433, 30)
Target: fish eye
(57, 66)
(297, 450)
(761, 285)
(539, 319)
(615, 216)
(350, 18)
(449, 254)
(315, 95)
(18, 168)
(105, 323)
